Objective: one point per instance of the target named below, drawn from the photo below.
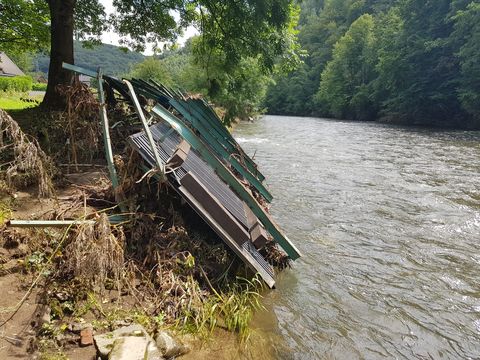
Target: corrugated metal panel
(166, 142)
(215, 188)
(206, 124)
(193, 163)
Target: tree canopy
(408, 61)
(239, 90)
(263, 29)
(24, 25)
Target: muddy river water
(388, 220)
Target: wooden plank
(237, 249)
(214, 208)
(259, 235)
(180, 154)
(251, 218)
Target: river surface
(388, 221)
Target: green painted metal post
(106, 131)
(220, 150)
(212, 119)
(105, 127)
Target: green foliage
(16, 101)
(344, 87)
(322, 23)
(16, 83)
(49, 349)
(239, 304)
(261, 29)
(24, 25)
(467, 33)
(39, 86)
(238, 88)
(23, 59)
(233, 307)
(35, 261)
(412, 61)
(151, 68)
(9, 101)
(5, 211)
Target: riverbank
(42, 316)
(154, 263)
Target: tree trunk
(61, 14)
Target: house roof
(8, 67)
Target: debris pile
(185, 145)
(181, 231)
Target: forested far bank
(403, 61)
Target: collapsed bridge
(184, 143)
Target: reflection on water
(388, 220)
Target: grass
(11, 101)
(5, 212)
(232, 308)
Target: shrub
(39, 86)
(16, 83)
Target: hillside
(409, 61)
(112, 59)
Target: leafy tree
(24, 26)
(422, 65)
(467, 33)
(23, 59)
(239, 89)
(388, 32)
(152, 68)
(345, 84)
(260, 28)
(322, 23)
(426, 92)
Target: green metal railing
(227, 176)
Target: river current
(388, 221)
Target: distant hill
(112, 59)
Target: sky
(112, 38)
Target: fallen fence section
(207, 194)
(203, 163)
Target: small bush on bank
(16, 83)
(39, 86)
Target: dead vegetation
(93, 253)
(82, 121)
(23, 163)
